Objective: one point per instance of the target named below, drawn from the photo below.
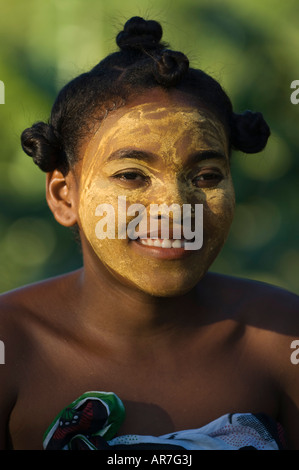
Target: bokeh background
(251, 47)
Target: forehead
(158, 125)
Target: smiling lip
(162, 249)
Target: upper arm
(8, 375)
(275, 313)
(286, 365)
(289, 406)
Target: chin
(172, 292)
(168, 288)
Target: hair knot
(43, 143)
(140, 34)
(249, 132)
(170, 67)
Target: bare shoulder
(37, 302)
(20, 308)
(270, 316)
(25, 314)
(258, 304)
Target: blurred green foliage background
(251, 47)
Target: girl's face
(159, 149)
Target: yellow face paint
(152, 153)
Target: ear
(61, 195)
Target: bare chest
(159, 397)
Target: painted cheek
(218, 216)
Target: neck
(115, 309)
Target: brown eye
(131, 177)
(128, 176)
(208, 179)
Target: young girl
(143, 347)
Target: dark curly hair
(143, 62)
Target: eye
(131, 177)
(207, 179)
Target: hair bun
(170, 67)
(42, 142)
(139, 33)
(249, 132)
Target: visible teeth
(166, 243)
(146, 241)
(177, 244)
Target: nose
(169, 207)
(176, 193)
(170, 192)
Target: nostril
(157, 215)
(160, 216)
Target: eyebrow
(150, 157)
(133, 154)
(202, 155)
